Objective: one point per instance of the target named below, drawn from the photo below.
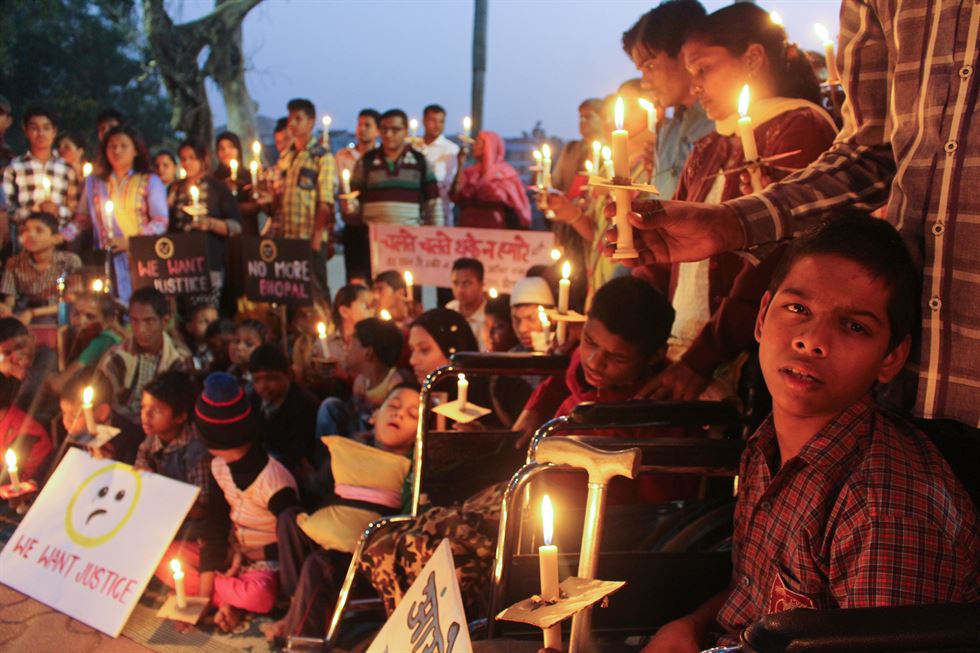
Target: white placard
(90, 543)
(430, 617)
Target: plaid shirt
(34, 288)
(867, 514)
(185, 459)
(310, 177)
(910, 72)
(23, 188)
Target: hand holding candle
(462, 391)
(11, 459)
(548, 568)
(747, 135)
(88, 396)
(179, 583)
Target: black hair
(167, 153)
(84, 377)
(370, 113)
(394, 113)
(200, 150)
(592, 104)
(174, 388)
(254, 325)
(141, 163)
(221, 326)
(104, 302)
(345, 297)
(304, 105)
(383, 337)
(499, 307)
(46, 219)
(407, 384)
(663, 28)
(635, 311)
(449, 329)
(35, 112)
(150, 296)
(109, 114)
(435, 108)
(392, 278)
(76, 140)
(877, 247)
(9, 386)
(196, 308)
(11, 327)
(232, 138)
(469, 264)
(281, 125)
(738, 26)
(268, 358)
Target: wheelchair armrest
(528, 364)
(711, 456)
(668, 413)
(952, 627)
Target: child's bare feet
(274, 629)
(227, 618)
(183, 627)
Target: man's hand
(678, 636)
(745, 182)
(119, 244)
(677, 231)
(678, 383)
(565, 210)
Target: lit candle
(321, 334)
(345, 181)
(181, 173)
(107, 210)
(564, 286)
(589, 168)
(548, 568)
(543, 318)
(11, 460)
(384, 314)
(776, 18)
(596, 149)
(413, 126)
(651, 110)
(607, 161)
(493, 293)
(539, 179)
(326, 131)
(87, 169)
(88, 396)
(179, 583)
(253, 168)
(748, 138)
(462, 388)
(257, 151)
(828, 48)
(555, 254)
(621, 170)
(467, 126)
(409, 291)
(546, 164)
(195, 199)
(98, 285)
(46, 186)
(233, 165)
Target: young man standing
(441, 154)
(468, 299)
(357, 256)
(24, 179)
(306, 200)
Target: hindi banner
(90, 543)
(174, 264)
(429, 252)
(278, 270)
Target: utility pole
(479, 63)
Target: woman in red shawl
(489, 193)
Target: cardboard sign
(278, 270)
(429, 252)
(174, 264)
(93, 538)
(430, 617)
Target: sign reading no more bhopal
(174, 264)
(278, 270)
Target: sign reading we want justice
(429, 252)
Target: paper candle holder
(354, 194)
(461, 414)
(571, 316)
(190, 613)
(577, 594)
(195, 211)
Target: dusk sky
(543, 57)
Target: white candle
(88, 395)
(98, 285)
(546, 164)
(253, 168)
(548, 568)
(345, 181)
(589, 168)
(179, 583)
(409, 291)
(86, 169)
(555, 254)
(257, 151)
(462, 389)
(11, 460)
(233, 165)
(651, 110)
(46, 187)
(195, 199)
(326, 131)
(107, 210)
(539, 178)
(181, 173)
(321, 334)
(828, 47)
(384, 314)
(413, 126)
(607, 162)
(621, 169)
(564, 287)
(596, 149)
(747, 135)
(493, 293)
(467, 126)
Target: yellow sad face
(102, 505)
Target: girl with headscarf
(490, 193)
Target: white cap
(532, 290)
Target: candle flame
(254, 166)
(233, 164)
(256, 148)
(822, 33)
(743, 101)
(384, 314)
(546, 152)
(181, 174)
(345, 173)
(493, 293)
(87, 169)
(195, 192)
(97, 285)
(46, 182)
(547, 520)
(596, 146)
(409, 279)
(606, 153)
(555, 255)
(175, 566)
(588, 167)
(326, 122)
(109, 206)
(776, 18)
(467, 123)
(566, 270)
(462, 378)
(321, 330)
(618, 112)
(88, 394)
(537, 155)
(413, 124)
(11, 459)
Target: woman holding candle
(489, 193)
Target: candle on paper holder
(11, 459)
(179, 583)
(621, 168)
(747, 134)
(564, 286)
(548, 570)
(321, 334)
(88, 396)
(462, 391)
(345, 181)
(233, 165)
(409, 290)
(828, 48)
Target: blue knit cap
(223, 413)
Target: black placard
(174, 264)
(278, 270)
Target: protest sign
(430, 616)
(429, 252)
(174, 264)
(278, 270)
(91, 541)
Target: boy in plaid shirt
(840, 505)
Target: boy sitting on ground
(124, 445)
(840, 505)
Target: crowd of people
(301, 431)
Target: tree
(176, 50)
(75, 57)
(479, 62)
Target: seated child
(840, 504)
(254, 489)
(199, 319)
(21, 433)
(315, 550)
(172, 447)
(125, 444)
(372, 356)
(249, 334)
(30, 278)
(22, 359)
(95, 330)
(389, 295)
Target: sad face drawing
(102, 505)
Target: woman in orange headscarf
(490, 193)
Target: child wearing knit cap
(255, 489)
